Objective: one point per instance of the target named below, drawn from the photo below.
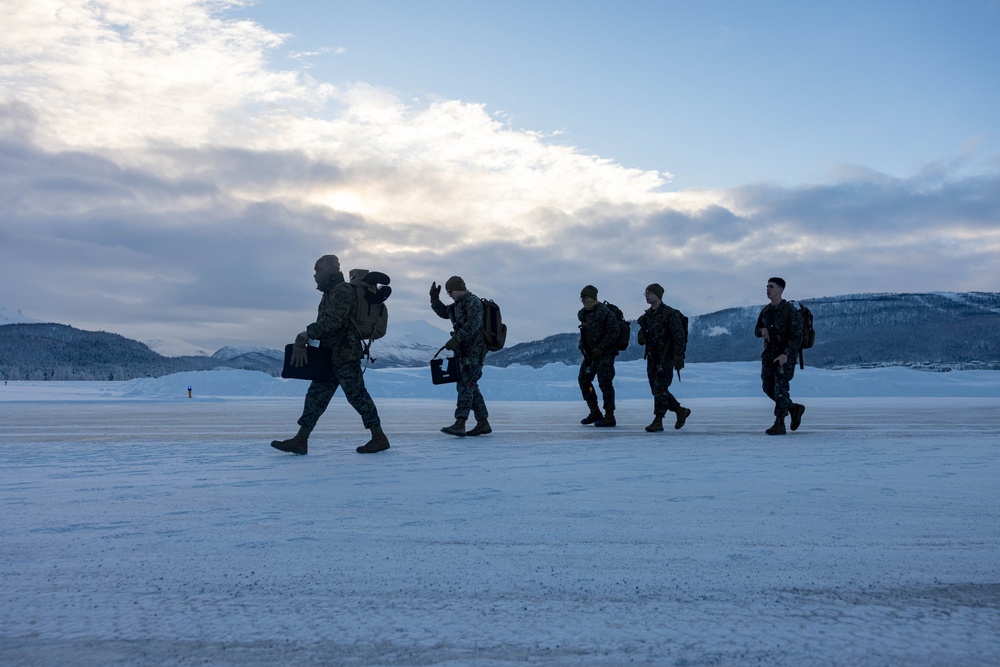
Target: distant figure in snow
(780, 325)
(468, 342)
(662, 334)
(335, 331)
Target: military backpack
(808, 332)
(624, 326)
(370, 316)
(684, 325)
(494, 330)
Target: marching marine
(780, 325)
(599, 344)
(662, 333)
(335, 331)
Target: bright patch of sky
(717, 94)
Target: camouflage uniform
(466, 316)
(335, 331)
(664, 339)
(598, 330)
(784, 323)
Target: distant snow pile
(216, 383)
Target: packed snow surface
(140, 526)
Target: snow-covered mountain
(938, 331)
(409, 343)
(14, 317)
(230, 352)
(931, 330)
(175, 347)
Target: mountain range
(933, 330)
(936, 331)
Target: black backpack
(624, 326)
(808, 332)
(684, 324)
(494, 330)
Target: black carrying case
(442, 372)
(317, 368)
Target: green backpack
(370, 316)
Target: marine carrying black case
(317, 367)
(450, 372)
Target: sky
(173, 169)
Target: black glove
(678, 362)
(435, 291)
(452, 343)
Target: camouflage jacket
(598, 328)
(784, 322)
(466, 317)
(664, 333)
(333, 327)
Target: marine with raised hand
(469, 345)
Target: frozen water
(140, 527)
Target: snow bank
(555, 382)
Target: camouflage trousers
(775, 380)
(350, 378)
(603, 368)
(660, 378)
(470, 399)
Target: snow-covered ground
(143, 527)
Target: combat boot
(656, 425)
(458, 428)
(378, 443)
(595, 415)
(778, 428)
(299, 444)
(796, 413)
(482, 427)
(682, 415)
(607, 420)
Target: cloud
(160, 179)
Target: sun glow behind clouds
(128, 79)
(348, 202)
